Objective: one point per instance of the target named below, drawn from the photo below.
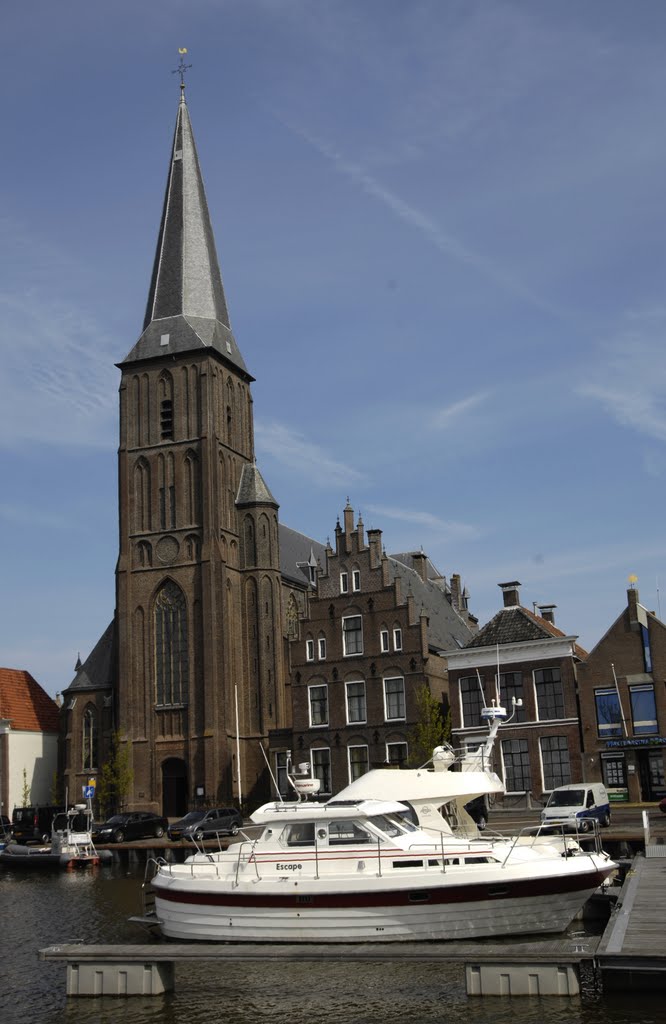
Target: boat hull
(221, 913)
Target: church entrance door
(174, 788)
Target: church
(194, 673)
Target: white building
(29, 726)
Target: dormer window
(344, 583)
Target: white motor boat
(357, 869)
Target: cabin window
(389, 826)
(408, 863)
(346, 833)
(300, 834)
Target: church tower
(198, 613)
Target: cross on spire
(182, 67)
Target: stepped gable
(25, 704)
(96, 672)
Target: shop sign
(638, 741)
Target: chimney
(637, 616)
(375, 545)
(348, 519)
(359, 533)
(455, 590)
(420, 563)
(547, 612)
(511, 593)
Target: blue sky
(441, 228)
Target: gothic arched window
(171, 646)
(89, 738)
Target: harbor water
(94, 906)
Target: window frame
(399, 761)
(363, 698)
(344, 582)
(554, 703)
(400, 717)
(321, 648)
(312, 701)
(397, 638)
(384, 641)
(345, 652)
(559, 767)
(352, 776)
(356, 580)
(309, 649)
(609, 729)
(643, 726)
(321, 771)
(525, 773)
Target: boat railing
(570, 834)
(251, 859)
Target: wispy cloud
(444, 418)
(445, 529)
(35, 516)
(293, 450)
(629, 376)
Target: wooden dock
(630, 953)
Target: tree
(116, 777)
(432, 727)
(25, 794)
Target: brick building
(371, 637)
(540, 747)
(622, 687)
(192, 671)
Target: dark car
(224, 821)
(662, 805)
(34, 823)
(478, 811)
(132, 825)
(5, 827)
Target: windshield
(566, 798)
(391, 825)
(193, 816)
(117, 819)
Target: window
(284, 787)
(394, 698)
(321, 643)
(613, 769)
(555, 761)
(352, 635)
(397, 639)
(356, 580)
(344, 583)
(472, 700)
(318, 697)
(516, 758)
(384, 640)
(396, 753)
(320, 758)
(549, 694)
(356, 710)
(643, 710)
(89, 739)
(511, 685)
(171, 646)
(609, 714)
(647, 653)
(166, 420)
(309, 650)
(358, 762)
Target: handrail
(251, 860)
(563, 831)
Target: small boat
(71, 845)
(357, 869)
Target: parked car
(34, 823)
(478, 811)
(5, 827)
(578, 804)
(132, 825)
(206, 824)
(662, 805)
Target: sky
(442, 234)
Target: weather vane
(182, 67)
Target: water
(38, 910)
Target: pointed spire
(186, 306)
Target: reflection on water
(38, 910)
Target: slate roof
(296, 553)
(186, 308)
(26, 704)
(252, 489)
(517, 625)
(96, 672)
(446, 628)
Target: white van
(578, 803)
